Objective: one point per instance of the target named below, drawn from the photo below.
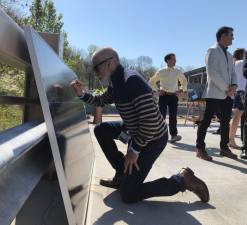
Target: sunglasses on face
(96, 67)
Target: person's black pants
(243, 118)
(224, 107)
(133, 188)
(170, 101)
(244, 125)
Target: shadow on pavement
(192, 148)
(150, 212)
(214, 152)
(184, 147)
(241, 169)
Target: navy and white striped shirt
(136, 105)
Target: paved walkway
(226, 178)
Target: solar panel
(67, 126)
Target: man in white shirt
(169, 78)
(219, 94)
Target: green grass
(10, 116)
(11, 84)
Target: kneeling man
(146, 128)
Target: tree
(148, 73)
(127, 63)
(14, 8)
(37, 15)
(91, 49)
(144, 62)
(52, 22)
(13, 3)
(66, 47)
(44, 17)
(76, 63)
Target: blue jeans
(133, 188)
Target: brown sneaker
(228, 153)
(202, 154)
(111, 183)
(194, 184)
(175, 138)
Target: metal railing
(25, 155)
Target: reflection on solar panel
(66, 124)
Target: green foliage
(11, 84)
(44, 17)
(99, 91)
(76, 64)
(37, 15)
(73, 58)
(53, 22)
(66, 48)
(148, 72)
(10, 116)
(11, 81)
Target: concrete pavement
(226, 179)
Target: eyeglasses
(95, 68)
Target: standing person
(218, 130)
(244, 149)
(221, 88)
(169, 78)
(238, 102)
(147, 132)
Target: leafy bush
(11, 84)
(10, 116)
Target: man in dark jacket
(244, 151)
(144, 125)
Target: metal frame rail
(25, 155)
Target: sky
(154, 27)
